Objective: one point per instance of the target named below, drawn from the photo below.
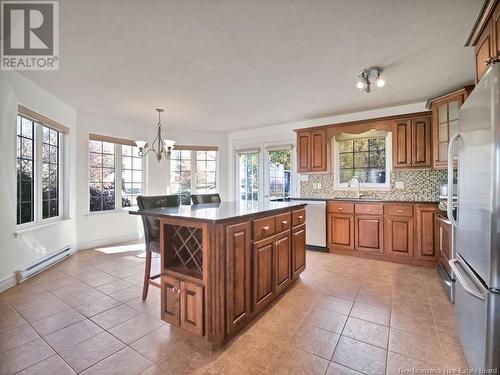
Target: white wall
(283, 133)
(15, 252)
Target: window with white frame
(193, 170)
(366, 156)
(39, 169)
(115, 173)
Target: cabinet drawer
(298, 217)
(340, 208)
(399, 210)
(369, 209)
(263, 228)
(283, 222)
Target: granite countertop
(216, 212)
(368, 200)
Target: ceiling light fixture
(161, 147)
(368, 74)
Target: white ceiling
(223, 65)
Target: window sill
(120, 211)
(36, 226)
(362, 188)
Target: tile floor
(344, 316)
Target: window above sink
(366, 155)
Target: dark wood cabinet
(312, 151)
(425, 233)
(298, 250)
(283, 261)
(263, 273)
(484, 49)
(191, 307)
(238, 275)
(183, 304)
(444, 241)
(340, 231)
(412, 143)
(369, 233)
(399, 236)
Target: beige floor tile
(15, 337)
(129, 294)
(6, 308)
(294, 361)
(97, 306)
(135, 328)
(10, 321)
(24, 356)
(114, 286)
(373, 298)
(371, 333)
(44, 310)
(453, 357)
(51, 366)
(360, 356)
(100, 280)
(57, 321)
(114, 316)
(398, 363)
(59, 283)
(337, 304)
(124, 362)
(72, 335)
(69, 290)
(336, 369)
(315, 340)
(89, 352)
(423, 348)
(379, 314)
(82, 297)
(325, 319)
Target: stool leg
(147, 273)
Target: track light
(364, 77)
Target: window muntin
(132, 174)
(102, 175)
(364, 158)
(50, 172)
(25, 170)
(193, 172)
(206, 173)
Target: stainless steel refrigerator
(476, 263)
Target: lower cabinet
(399, 236)
(425, 233)
(298, 250)
(183, 304)
(263, 273)
(283, 261)
(444, 241)
(238, 275)
(369, 233)
(341, 231)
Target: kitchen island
(223, 263)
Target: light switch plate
(400, 185)
(304, 177)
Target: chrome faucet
(349, 183)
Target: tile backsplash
(419, 185)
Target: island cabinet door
(283, 261)
(170, 300)
(298, 250)
(191, 311)
(369, 234)
(263, 273)
(238, 277)
(399, 236)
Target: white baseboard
(7, 282)
(85, 245)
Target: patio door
(248, 189)
(277, 182)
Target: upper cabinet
(411, 142)
(445, 124)
(312, 151)
(485, 37)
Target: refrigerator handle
(449, 208)
(461, 279)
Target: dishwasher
(315, 224)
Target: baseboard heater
(43, 263)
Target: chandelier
(161, 147)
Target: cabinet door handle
(265, 228)
(400, 211)
(368, 209)
(301, 217)
(284, 222)
(340, 208)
